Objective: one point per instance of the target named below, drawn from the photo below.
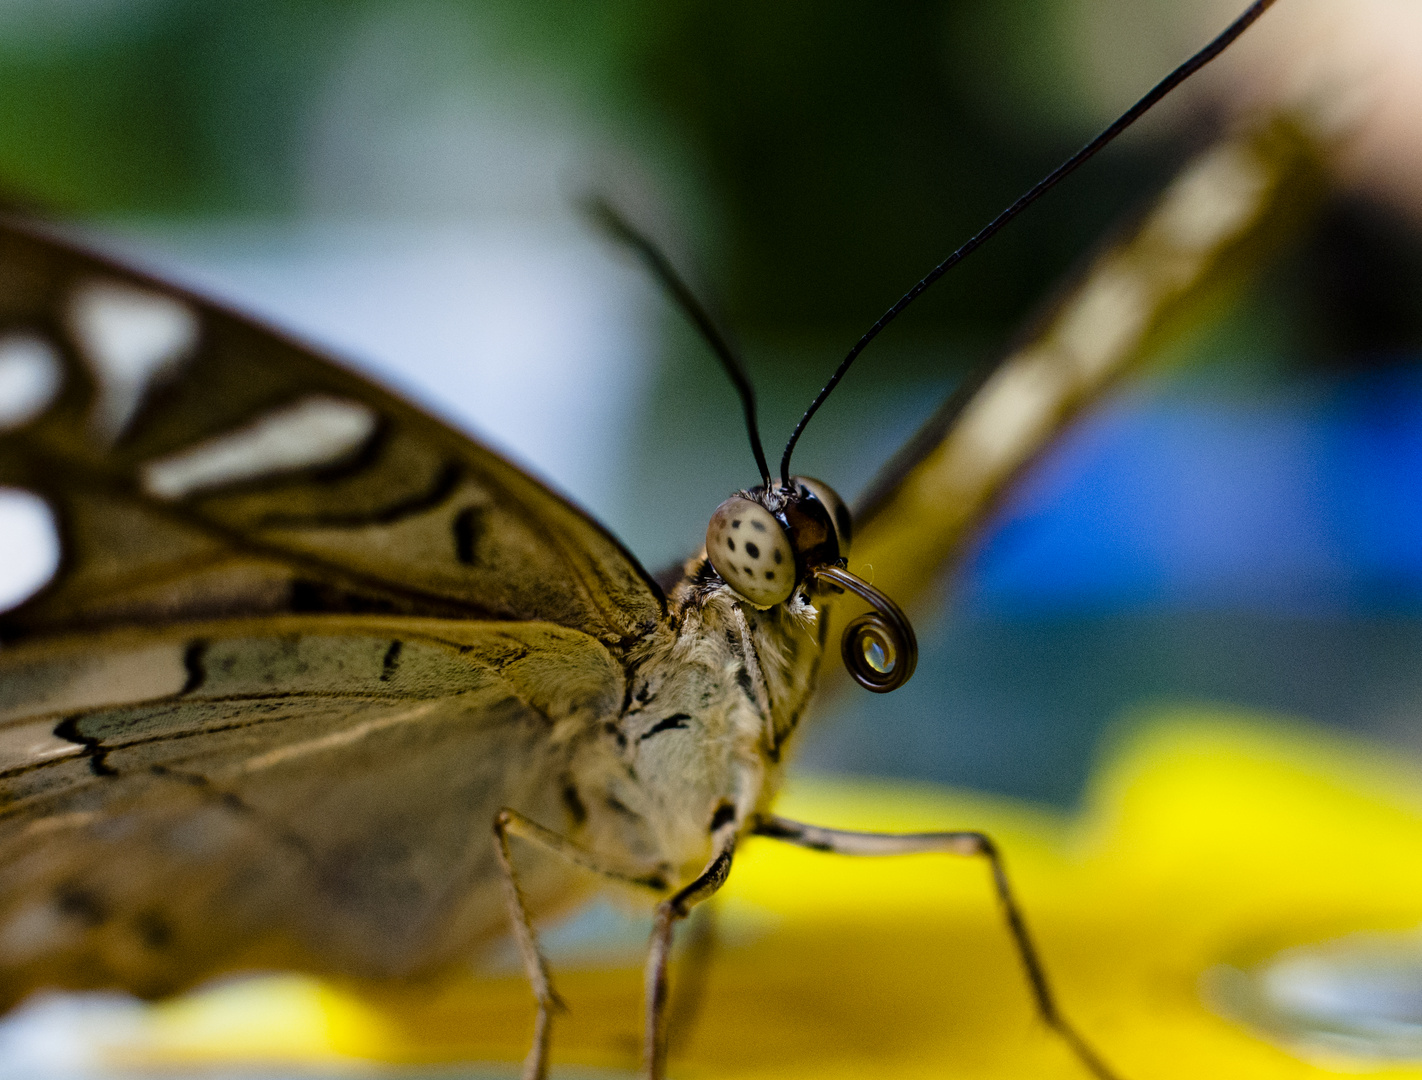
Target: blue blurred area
(1309, 501)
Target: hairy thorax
(713, 697)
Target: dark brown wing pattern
(303, 643)
(308, 792)
(202, 466)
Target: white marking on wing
(131, 338)
(336, 739)
(27, 744)
(1014, 407)
(29, 546)
(1105, 318)
(120, 677)
(29, 378)
(1212, 200)
(315, 431)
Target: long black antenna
(1129, 117)
(621, 229)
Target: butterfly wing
(201, 466)
(1225, 211)
(302, 645)
(309, 792)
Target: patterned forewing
(310, 793)
(201, 466)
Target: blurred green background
(816, 155)
(398, 181)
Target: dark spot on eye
(758, 526)
(154, 930)
(76, 902)
(731, 544)
(779, 555)
(752, 550)
(736, 524)
(725, 813)
(770, 575)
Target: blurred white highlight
(29, 546)
(62, 1037)
(29, 378)
(131, 337)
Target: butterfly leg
(845, 842)
(669, 913)
(698, 949)
(509, 823)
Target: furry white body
(712, 700)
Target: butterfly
(312, 661)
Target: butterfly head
(768, 542)
(765, 542)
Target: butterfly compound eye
(750, 550)
(834, 506)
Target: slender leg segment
(691, 976)
(535, 1066)
(845, 842)
(669, 912)
(511, 823)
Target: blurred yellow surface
(1208, 843)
